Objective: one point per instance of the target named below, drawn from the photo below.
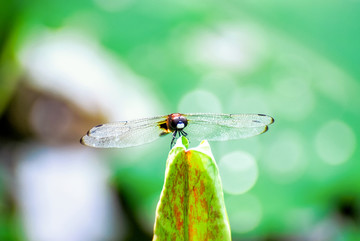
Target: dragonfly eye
(178, 122)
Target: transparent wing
(124, 133)
(222, 127)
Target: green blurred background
(69, 65)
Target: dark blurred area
(68, 66)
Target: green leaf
(191, 205)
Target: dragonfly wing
(124, 133)
(221, 127)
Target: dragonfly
(197, 126)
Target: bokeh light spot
(244, 211)
(231, 47)
(335, 142)
(293, 97)
(334, 84)
(248, 100)
(200, 101)
(238, 171)
(284, 160)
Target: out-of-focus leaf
(9, 70)
(191, 205)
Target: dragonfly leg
(173, 139)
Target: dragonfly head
(177, 122)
